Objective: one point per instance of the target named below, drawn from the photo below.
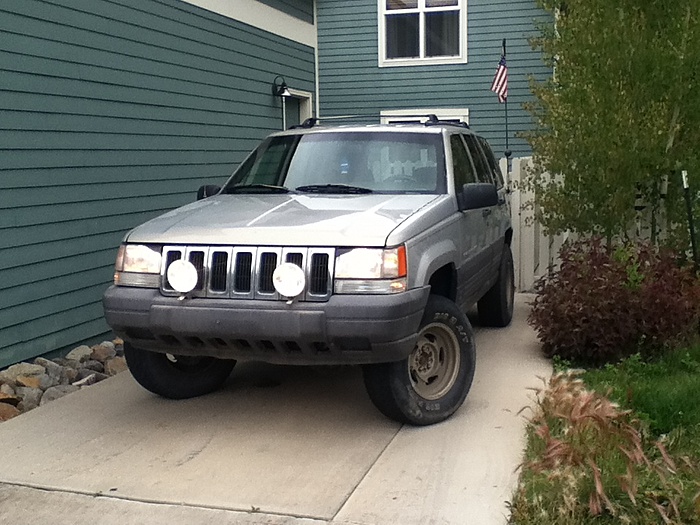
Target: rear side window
(491, 160)
(461, 164)
(483, 171)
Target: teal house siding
(351, 81)
(112, 112)
(301, 9)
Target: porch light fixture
(280, 89)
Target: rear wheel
(432, 383)
(496, 307)
(175, 376)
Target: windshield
(344, 162)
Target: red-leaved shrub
(605, 303)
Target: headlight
(137, 265)
(371, 263)
(139, 258)
(371, 271)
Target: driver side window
(483, 172)
(461, 164)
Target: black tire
(177, 377)
(432, 383)
(496, 307)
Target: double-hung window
(415, 32)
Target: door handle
(486, 212)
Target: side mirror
(207, 191)
(477, 195)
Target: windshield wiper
(271, 188)
(333, 188)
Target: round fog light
(182, 276)
(288, 279)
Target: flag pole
(507, 152)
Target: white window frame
(306, 103)
(422, 60)
(421, 115)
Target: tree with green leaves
(620, 113)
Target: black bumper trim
(348, 329)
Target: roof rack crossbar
(432, 120)
(314, 121)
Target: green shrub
(605, 303)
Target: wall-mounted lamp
(280, 89)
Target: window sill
(438, 61)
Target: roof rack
(314, 121)
(432, 120)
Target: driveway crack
(364, 476)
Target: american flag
(500, 81)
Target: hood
(283, 220)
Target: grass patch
(615, 445)
(665, 393)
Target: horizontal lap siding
(112, 112)
(301, 9)
(351, 81)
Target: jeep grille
(246, 272)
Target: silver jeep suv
(328, 245)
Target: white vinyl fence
(533, 252)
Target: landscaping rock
(48, 381)
(68, 375)
(25, 386)
(71, 363)
(28, 381)
(93, 365)
(116, 365)
(81, 353)
(9, 399)
(30, 398)
(7, 411)
(20, 369)
(52, 369)
(56, 392)
(85, 372)
(43, 381)
(90, 380)
(103, 352)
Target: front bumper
(347, 329)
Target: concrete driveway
(277, 446)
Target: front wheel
(432, 383)
(174, 376)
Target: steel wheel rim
(433, 366)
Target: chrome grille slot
(267, 265)
(219, 269)
(170, 254)
(320, 277)
(245, 272)
(197, 257)
(295, 258)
